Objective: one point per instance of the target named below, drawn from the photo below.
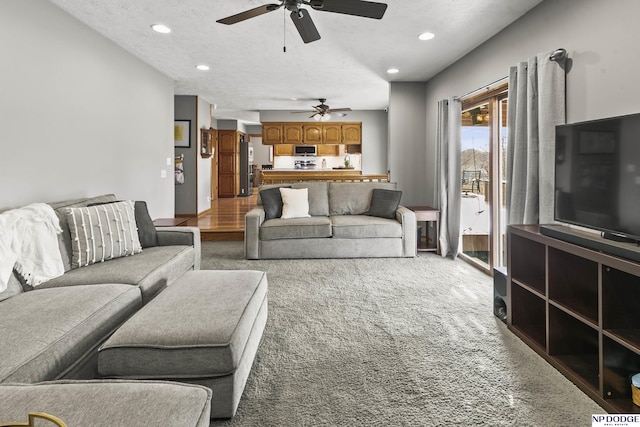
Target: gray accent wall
(79, 115)
(186, 195)
(600, 38)
(406, 140)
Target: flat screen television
(597, 176)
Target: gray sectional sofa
(338, 226)
(101, 403)
(53, 331)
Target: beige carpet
(392, 342)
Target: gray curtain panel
(449, 143)
(536, 105)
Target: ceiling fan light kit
(301, 18)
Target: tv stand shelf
(576, 307)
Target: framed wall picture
(181, 133)
(206, 142)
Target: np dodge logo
(615, 420)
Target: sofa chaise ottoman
(108, 403)
(203, 329)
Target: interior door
(214, 165)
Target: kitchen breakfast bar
(276, 176)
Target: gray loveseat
(53, 331)
(337, 228)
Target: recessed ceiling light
(202, 67)
(393, 71)
(426, 36)
(160, 28)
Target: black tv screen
(597, 175)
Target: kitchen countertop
(309, 170)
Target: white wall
(204, 165)
(79, 115)
(374, 134)
(600, 38)
(261, 153)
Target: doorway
(483, 165)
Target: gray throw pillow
(272, 202)
(384, 203)
(147, 232)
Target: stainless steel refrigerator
(246, 167)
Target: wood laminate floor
(225, 220)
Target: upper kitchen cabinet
(328, 150)
(292, 133)
(309, 133)
(352, 133)
(282, 150)
(331, 133)
(272, 133)
(312, 133)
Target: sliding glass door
(483, 166)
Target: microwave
(305, 150)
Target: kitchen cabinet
(327, 150)
(292, 134)
(352, 133)
(282, 150)
(272, 133)
(310, 133)
(331, 133)
(322, 150)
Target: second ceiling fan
(322, 112)
(301, 18)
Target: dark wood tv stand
(579, 309)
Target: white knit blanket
(29, 243)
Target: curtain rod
(485, 87)
(556, 55)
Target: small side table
(170, 222)
(427, 214)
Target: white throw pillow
(102, 232)
(295, 202)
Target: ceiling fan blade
(306, 111)
(333, 110)
(305, 26)
(366, 9)
(251, 13)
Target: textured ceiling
(249, 70)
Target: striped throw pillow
(103, 232)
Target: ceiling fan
(301, 18)
(321, 112)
